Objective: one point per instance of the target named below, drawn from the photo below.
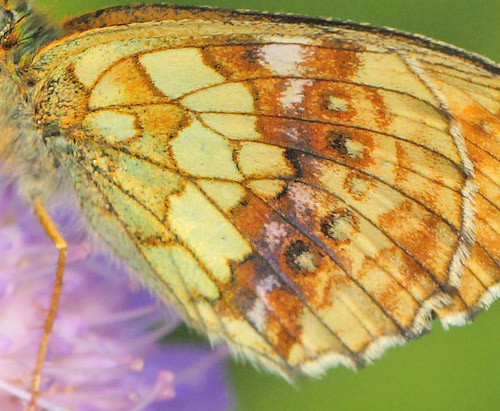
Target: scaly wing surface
(309, 192)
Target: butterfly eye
(6, 19)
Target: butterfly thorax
(23, 151)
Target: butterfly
(309, 191)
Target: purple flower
(102, 352)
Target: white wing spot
(293, 95)
(284, 59)
(257, 315)
(274, 233)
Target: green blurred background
(457, 369)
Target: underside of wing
(309, 194)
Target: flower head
(102, 353)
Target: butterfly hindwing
(308, 193)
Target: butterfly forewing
(308, 192)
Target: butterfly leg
(60, 243)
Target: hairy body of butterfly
(309, 191)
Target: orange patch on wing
(236, 62)
(124, 84)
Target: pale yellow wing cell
(111, 125)
(226, 195)
(195, 148)
(233, 126)
(225, 98)
(179, 71)
(198, 223)
(258, 160)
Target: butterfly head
(12, 14)
(23, 31)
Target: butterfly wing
(309, 193)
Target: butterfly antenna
(60, 243)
